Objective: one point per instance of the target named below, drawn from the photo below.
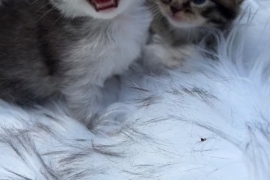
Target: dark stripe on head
(229, 13)
(221, 14)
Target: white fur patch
(77, 8)
(104, 55)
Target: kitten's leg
(111, 90)
(84, 102)
(156, 55)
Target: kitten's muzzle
(176, 10)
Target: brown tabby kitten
(179, 24)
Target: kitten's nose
(174, 9)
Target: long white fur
(208, 120)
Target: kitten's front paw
(171, 57)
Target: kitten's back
(26, 64)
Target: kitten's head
(100, 9)
(199, 13)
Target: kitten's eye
(198, 2)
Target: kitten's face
(199, 13)
(100, 9)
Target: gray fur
(174, 36)
(218, 14)
(45, 53)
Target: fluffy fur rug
(209, 120)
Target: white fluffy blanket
(209, 120)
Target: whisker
(48, 11)
(42, 7)
(34, 2)
(58, 20)
(70, 18)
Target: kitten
(68, 48)
(178, 24)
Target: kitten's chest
(112, 50)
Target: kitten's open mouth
(100, 5)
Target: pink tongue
(104, 2)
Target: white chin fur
(79, 8)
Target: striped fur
(191, 14)
(179, 24)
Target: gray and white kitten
(68, 48)
(180, 24)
